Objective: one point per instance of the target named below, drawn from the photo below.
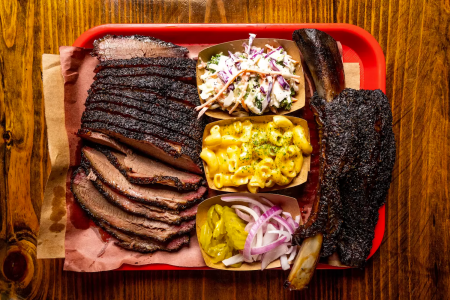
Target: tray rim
(373, 49)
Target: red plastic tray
(358, 46)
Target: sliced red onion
(273, 211)
(223, 76)
(284, 262)
(233, 260)
(287, 214)
(233, 57)
(257, 53)
(290, 249)
(262, 90)
(272, 65)
(250, 41)
(283, 82)
(291, 222)
(293, 253)
(246, 209)
(244, 199)
(256, 209)
(269, 247)
(243, 216)
(238, 65)
(230, 87)
(284, 223)
(267, 201)
(273, 255)
(281, 232)
(249, 226)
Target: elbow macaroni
(258, 155)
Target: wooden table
(413, 261)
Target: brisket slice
(147, 211)
(163, 86)
(126, 47)
(142, 170)
(103, 139)
(178, 156)
(135, 243)
(101, 210)
(167, 62)
(162, 197)
(159, 108)
(186, 75)
(194, 131)
(116, 119)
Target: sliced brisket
(148, 211)
(126, 47)
(101, 210)
(118, 120)
(186, 75)
(162, 86)
(150, 100)
(162, 197)
(194, 130)
(178, 156)
(103, 139)
(167, 62)
(135, 243)
(142, 170)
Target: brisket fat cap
(125, 47)
(100, 210)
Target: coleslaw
(256, 80)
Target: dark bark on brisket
(148, 99)
(163, 86)
(178, 156)
(161, 197)
(139, 244)
(126, 47)
(193, 130)
(188, 118)
(118, 120)
(185, 75)
(168, 62)
(101, 210)
(142, 170)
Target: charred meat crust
(116, 119)
(117, 47)
(146, 99)
(185, 75)
(195, 132)
(162, 234)
(135, 243)
(163, 86)
(183, 158)
(167, 62)
(140, 209)
(358, 157)
(324, 61)
(177, 183)
(87, 165)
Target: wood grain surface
(413, 260)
